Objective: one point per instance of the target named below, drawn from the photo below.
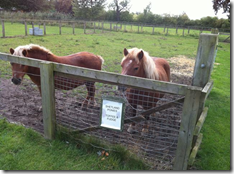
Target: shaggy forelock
(149, 65)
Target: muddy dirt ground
(22, 104)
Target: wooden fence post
(25, 26)
(85, 27)
(48, 99)
(188, 121)
(3, 29)
(44, 28)
(102, 27)
(94, 27)
(205, 59)
(153, 30)
(73, 28)
(206, 51)
(33, 28)
(214, 31)
(167, 31)
(60, 31)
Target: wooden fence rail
(92, 26)
(193, 114)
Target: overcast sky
(195, 9)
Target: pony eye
(136, 68)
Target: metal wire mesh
(155, 135)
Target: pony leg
(132, 127)
(91, 92)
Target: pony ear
(125, 52)
(24, 52)
(140, 55)
(12, 50)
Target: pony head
(31, 50)
(132, 62)
(18, 70)
(137, 62)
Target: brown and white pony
(137, 62)
(81, 59)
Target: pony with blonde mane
(137, 62)
(81, 59)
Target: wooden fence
(90, 27)
(193, 114)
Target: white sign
(112, 114)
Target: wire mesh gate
(155, 135)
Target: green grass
(24, 149)
(214, 153)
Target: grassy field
(18, 144)
(53, 28)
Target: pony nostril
(16, 81)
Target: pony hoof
(144, 132)
(40, 109)
(131, 129)
(83, 108)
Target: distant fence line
(93, 26)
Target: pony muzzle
(16, 81)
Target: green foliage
(26, 5)
(222, 4)
(63, 6)
(89, 9)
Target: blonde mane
(19, 49)
(148, 63)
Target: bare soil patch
(22, 105)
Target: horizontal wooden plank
(195, 150)
(200, 122)
(104, 77)
(118, 79)
(208, 87)
(162, 107)
(20, 60)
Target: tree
(88, 9)
(63, 6)
(6, 4)
(224, 4)
(147, 10)
(182, 19)
(25, 5)
(120, 6)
